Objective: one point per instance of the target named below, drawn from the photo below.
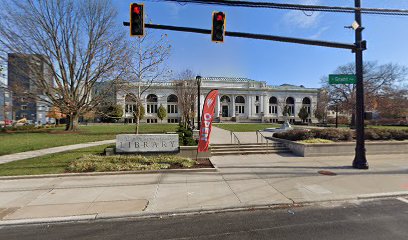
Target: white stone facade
(240, 99)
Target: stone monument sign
(147, 143)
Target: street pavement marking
(402, 199)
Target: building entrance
(224, 111)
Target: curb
(143, 215)
(197, 211)
(77, 218)
(108, 173)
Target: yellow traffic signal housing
(136, 20)
(218, 27)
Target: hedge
(334, 134)
(186, 136)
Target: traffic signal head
(136, 19)
(218, 27)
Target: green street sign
(342, 79)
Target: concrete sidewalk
(41, 152)
(241, 182)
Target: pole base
(360, 164)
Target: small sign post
(342, 79)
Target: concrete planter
(191, 152)
(343, 148)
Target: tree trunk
(72, 123)
(67, 120)
(137, 125)
(137, 119)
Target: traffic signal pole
(253, 36)
(360, 161)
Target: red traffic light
(136, 19)
(218, 27)
(136, 9)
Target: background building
(240, 100)
(23, 70)
(5, 103)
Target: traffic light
(218, 27)
(136, 19)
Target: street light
(198, 79)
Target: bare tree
(393, 103)
(145, 65)
(186, 90)
(377, 78)
(78, 42)
(321, 110)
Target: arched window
(306, 100)
(290, 100)
(172, 98)
(239, 99)
(151, 100)
(225, 99)
(172, 102)
(273, 105)
(290, 103)
(307, 104)
(130, 97)
(130, 107)
(240, 105)
(273, 100)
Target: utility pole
(360, 161)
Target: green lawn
(46, 138)
(246, 127)
(48, 164)
(391, 127)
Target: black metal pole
(253, 36)
(360, 161)
(198, 78)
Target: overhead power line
(299, 7)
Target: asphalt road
(377, 219)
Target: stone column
(266, 105)
(249, 106)
(261, 106)
(217, 107)
(202, 99)
(233, 106)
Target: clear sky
(274, 62)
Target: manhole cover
(328, 173)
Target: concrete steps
(247, 148)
